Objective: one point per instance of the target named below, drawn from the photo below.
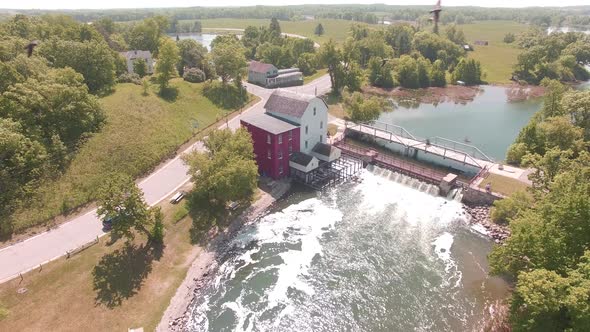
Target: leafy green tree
(455, 34)
(167, 60)
(121, 201)
(399, 37)
(157, 232)
(381, 73)
(307, 63)
(552, 98)
(227, 171)
(57, 104)
(508, 208)
(362, 109)
(319, 29)
(577, 105)
(438, 74)
(430, 44)
(407, 72)
(94, 60)
(509, 38)
(468, 71)
(146, 35)
(140, 67)
(275, 28)
(194, 75)
(192, 55)
(23, 165)
(228, 57)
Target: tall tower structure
(436, 15)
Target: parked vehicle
(107, 223)
(177, 197)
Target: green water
(489, 122)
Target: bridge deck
(425, 174)
(420, 145)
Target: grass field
(140, 132)
(335, 29)
(502, 184)
(498, 58)
(317, 74)
(63, 296)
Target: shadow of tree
(169, 94)
(120, 274)
(204, 215)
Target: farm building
(269, 76)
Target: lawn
(66, 296)
(333, 28)
(502, 184)
(317, 74)
(141, 131)
(498, 58)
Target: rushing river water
(385, 254)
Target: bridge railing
(470, 153)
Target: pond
(203, 38)
(489, 122)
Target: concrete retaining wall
(473, 196)
(418, 154)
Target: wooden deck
(399, 165)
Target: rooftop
(137, 54)
(260, 67)
(323, 149)
(288, 103)
(268, 123)
(301, 158)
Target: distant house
(269, 76)
(132, 56)
(291, 135)
(481, 42)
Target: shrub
(129, 78)
(228, 96)
(194, 75)
(509, 38)
(508, 208)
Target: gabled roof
(288, 103)
(301, 158)
(260, 67)
(134, 54)
(323, 149)
(268, 123)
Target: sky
(103, 4)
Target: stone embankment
(480, 214)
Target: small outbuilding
(326, 152)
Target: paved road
(42, 248)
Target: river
(489, 122)
(204, 38)
(385, 254)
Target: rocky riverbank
(480, 214)
(204, 267)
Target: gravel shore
(480, 214)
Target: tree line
(547, 254)
(560, 56)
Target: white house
(308, 112)
(132, 56)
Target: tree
(319, 29)
(23, 164)
(275, 28)
(167, 60)
(145, 84)
(455, 35)
(227, 171)
(468, 71)
(399, 37)
(362, 109)
(194, 75)
(577, 105)
(157, 232)
(438, 74)
(140, 67)
(510, 207)
(147, 34)
(381, 73)
(407, 72)
(228, 57)
(56, 104)
(307, 63)
(121, 201)
(192, 55)
(94, 60)
(509, 38)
